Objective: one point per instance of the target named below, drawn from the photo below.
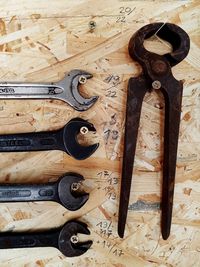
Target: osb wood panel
(40, 41)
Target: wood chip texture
(42, 40)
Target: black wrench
(64, 139)
(64, 191)
(64, 239)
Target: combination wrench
(65, 90)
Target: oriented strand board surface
(40, 41)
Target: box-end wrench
(65, 192)
(64, 239)
(65, 90)
(64, 139)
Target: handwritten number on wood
(124, 11)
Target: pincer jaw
(171, 33)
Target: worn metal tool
(156, 74)
(64, 239)
(64, 139)
(65, 90)
(65, 191)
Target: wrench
(64, 139)
(64, 239)
(64, 191)
(65, 90)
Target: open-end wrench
(65, 239)
(64, 191)
(64, 139)
(65, 90)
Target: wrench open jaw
(65, 239)
(65, 139)
(67, 246)
(65, 191)
(66, 90)
(68, 191)
(70, 134)
(73, 96)
(156, 74)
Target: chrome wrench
(65, 90)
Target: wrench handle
(37, 141)
(29, 240)
(24, 192)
